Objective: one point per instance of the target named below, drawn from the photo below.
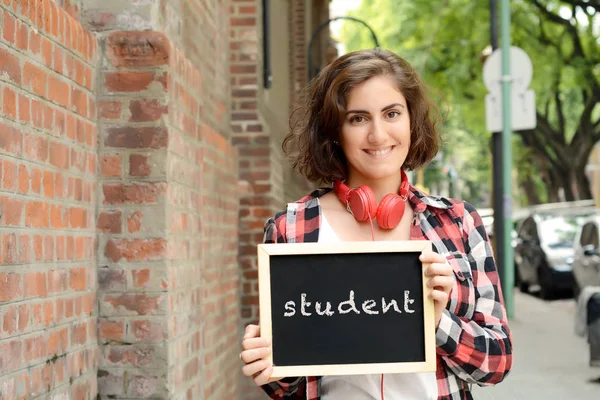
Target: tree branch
(577, 47)
(594, 4)
(559, 112)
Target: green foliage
(445, 41)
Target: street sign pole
(507, 158)
(497, 191)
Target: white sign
(522, 100)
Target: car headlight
(560, 263)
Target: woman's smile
(380, 152)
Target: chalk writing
(345, 307)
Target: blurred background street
(550, 361)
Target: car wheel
(524, 287)
(546, 290)
(576, 289)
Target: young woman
(366, 118)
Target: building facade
(140, 155)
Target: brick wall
(169, 279)
(139, 158)
(47, 203)
(133, 259)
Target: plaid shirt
(473, 340)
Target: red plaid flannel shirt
(474, 343)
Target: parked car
(586, 261)
(544, 249)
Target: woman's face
(375, 133)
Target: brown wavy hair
(316, 123)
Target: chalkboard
(346, 308)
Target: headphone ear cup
(361, 201)
(390, 211)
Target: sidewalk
(550, 361)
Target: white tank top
(409, 386)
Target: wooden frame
(264, 279)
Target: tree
(445, 41)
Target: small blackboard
(346, 308)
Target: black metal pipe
(311, 73)
(267, 76)
(498, 186)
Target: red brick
(10, 287)
(49, 248)
(137, 137)
(79, 101)
(9, 65)
(146, 110)
(9, 103)
(10, 355)
(23, 317)
(48, 182)
(9, 321)
(128, 81)
(78, 217)
(111, 330)
(59, 155)
(58, 91)
(35, 284)
(24, 108)
(36, 214)
(136, 249)
(10, 27)
(38, 247)
(34, 42)
(110, 221)
(11, 210)
(110, 166)
(134, 222)
(48, 118)
(36, 180)
(36, 147)
(149, 331)
(144, 192)
(138, 165)
(78, 334)
(78, 279)
(22, 42)
(47, 52)
(138, 49)
(57, 281)
(48, 312)
(141, 303)
(58, 342)
(10, 139)
(24, 252)
(140, 277)
(9, 175)
(110, 109)
(248, 21)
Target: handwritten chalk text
(348, 306)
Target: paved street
(550, 362)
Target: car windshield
(559, 232)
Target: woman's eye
(357, 119)
(393, 114)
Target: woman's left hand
(440, 283)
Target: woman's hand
(441, 281)
(255, 350)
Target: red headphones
(360, 202)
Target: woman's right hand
(255, 351)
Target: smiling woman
(364, 121)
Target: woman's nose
(376, 132)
